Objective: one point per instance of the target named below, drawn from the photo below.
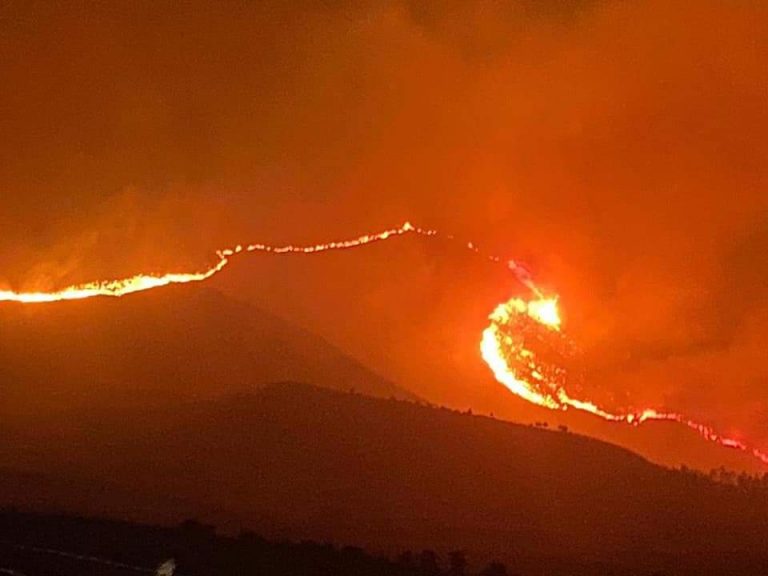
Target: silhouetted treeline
(304, 462)
(46, 545)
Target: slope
(301, 462)
(181, 342)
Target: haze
(618, 149)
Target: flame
(496, 348)
(504, 345)
(518, 368)
(142, 282)
(137, 283)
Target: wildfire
(504, 347)
(499, 346)
(142, 282)
(122, 287)
(517, 345)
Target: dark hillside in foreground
(301, 462)
(43, 545)
(173, 344)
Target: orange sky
(617, 148)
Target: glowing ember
(546, 312)
(505, 349)
(517, 345)
(501, 347)
(143, 282)
(111, 288)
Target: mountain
(295, 461)
(65, 545)
(176, 343)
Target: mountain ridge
(297, 461)
(179, 342)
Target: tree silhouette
(407, 560)
(494, 569)
(458, 563)
(429, 562)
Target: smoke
(616, 149)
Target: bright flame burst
(504, 347)
(511, 345)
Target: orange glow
(504, 346)
(142, 282)
(497, 348)
(546, 312)
(122, 287)
(517, 367)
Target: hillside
(178, 343)
(302, 462)
(61, 545)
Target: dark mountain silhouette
(296, 461)
(183, 341)
(60, 545)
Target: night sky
(619, 149)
